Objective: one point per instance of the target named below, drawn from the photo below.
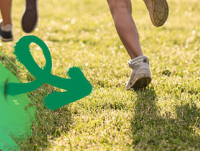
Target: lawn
(165, 116)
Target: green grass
(81, 33)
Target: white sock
(7, 27)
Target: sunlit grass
(81, 33)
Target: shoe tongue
(7, 27)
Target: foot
(30, 16)
(140, 76)
(158, 11)
(6, 32)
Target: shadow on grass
(151, 131)
(49, 124)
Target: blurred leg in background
(28, 22)
(6, 24)
(5, 6)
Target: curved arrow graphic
(76, 86)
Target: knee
(118, 5)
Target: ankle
(132, 56)
(138, 56)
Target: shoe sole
(159, 12)
(30, 16)
(140, 83)
(6, 40)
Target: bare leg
(121, 11)
(5, 6)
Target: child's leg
(6, 24)
(122, 14)
(5, 7)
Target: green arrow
(76, 86)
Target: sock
(7, 27)
(137, 58)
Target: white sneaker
(6, 32)
(140, 76)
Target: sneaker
(30, 16)
(6, 32)
(140, 76)
(158, 11)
